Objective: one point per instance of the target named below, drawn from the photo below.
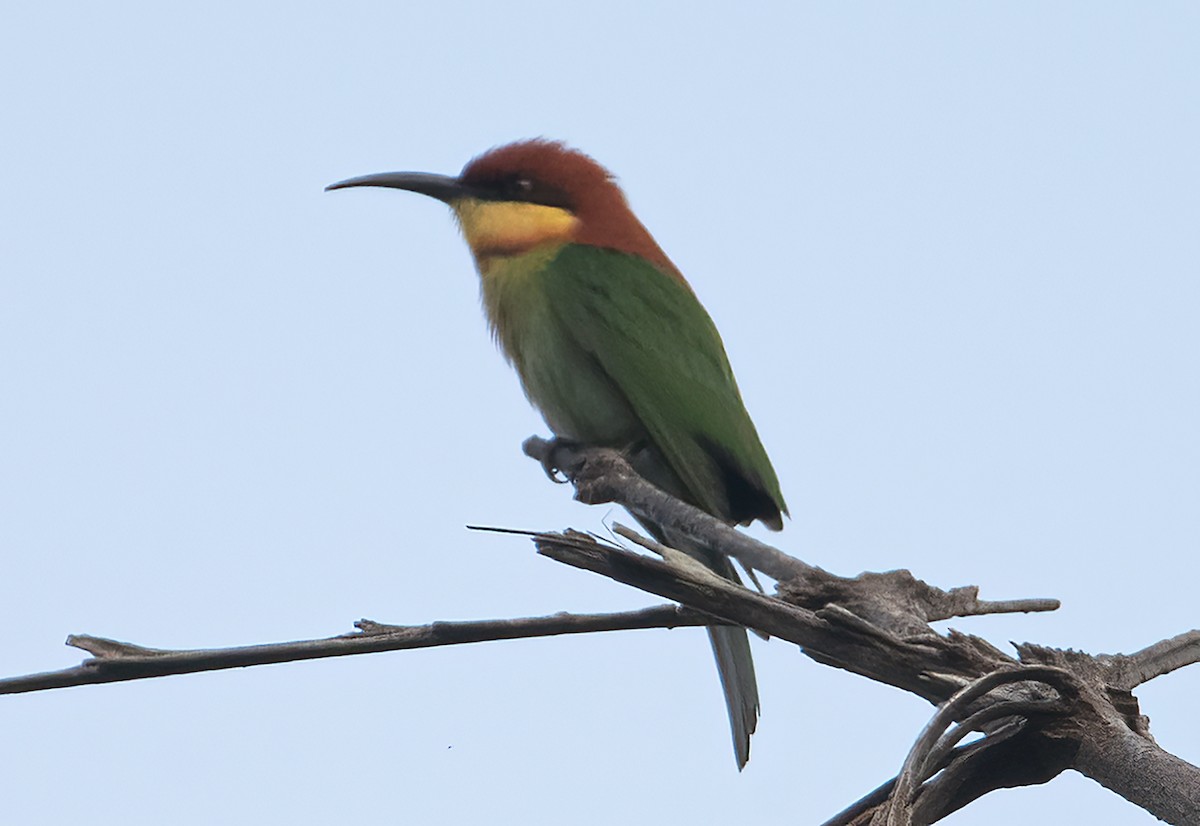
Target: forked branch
(1049, 711)
(1039, 712)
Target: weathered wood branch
(1040, 712)
(1130, 671)
(114, 661)
(601, 476)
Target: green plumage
(614, 351)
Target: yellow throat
(505, 228)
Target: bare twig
(722, 598)
(899, 600)
(1131, 670)
(115, 661)
(972, 606)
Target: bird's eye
(516, 186)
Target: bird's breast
(560, 377)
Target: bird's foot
(550, 459)
(589, 469)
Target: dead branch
(114, 661)
(1130, 671)
(601, 475)
(1040, 712)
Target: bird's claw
(550, 464)
(553, 472)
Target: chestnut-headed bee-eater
(613, 347)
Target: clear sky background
(952, 249)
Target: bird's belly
(562, 379)
(575, 397)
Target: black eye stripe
(520, 187)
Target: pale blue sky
(953, 252)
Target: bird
(613, 347)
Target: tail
(731, 648)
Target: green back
(644, 333)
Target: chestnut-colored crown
(549, 172)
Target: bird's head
(524, 195)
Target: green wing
(654, 341)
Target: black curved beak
(442, 187)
